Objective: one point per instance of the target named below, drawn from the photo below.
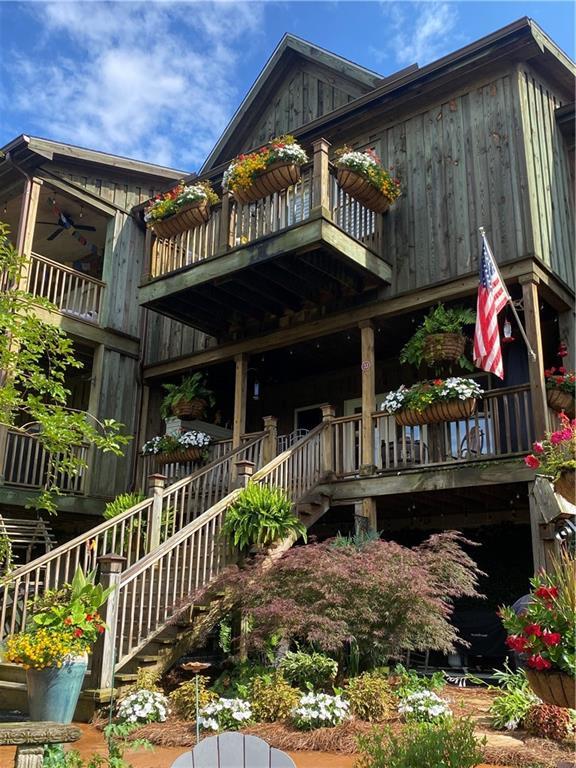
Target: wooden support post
(104, 654)
(224, 229)
(96, 378)
(240, 385)
(156, 485)
(327, 457)
(321, 178)
(367, 465)
(535, 520)
(270, 445)
(365, 515)
(534, 333)
(244, 472)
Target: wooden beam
(240, 387)
(368, 369)
(321, 178)
(536, 367)
(326, 265)
(288, 280)
(254, 281)
(466, 285)
(252, 296)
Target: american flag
(492, 298)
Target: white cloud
(420, 32)
(151, 80)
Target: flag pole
(510, 302)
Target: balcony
(310, 245)
(74, 294)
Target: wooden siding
(167, 338)
(548, 171)
(307, 92)
(459, 166)
(118, 400)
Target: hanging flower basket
(180, 457)
(187, 218)
(274, 179)
(565, 485)
(194, 409)
(561, 401)
(444, 346)
(555, 688)
(362, 176)
(447, 410)
(268, 170)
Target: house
(296, 307)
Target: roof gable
(299, 83)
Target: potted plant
(168, 449)
(556, 457)
(545, 633)
(54, 647)
(430, 402)
(184, 207)
(270, 169)
(189, 398)
(440, 337)
(561, 390)
(361, 175)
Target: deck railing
(502, 426)
(26, 464)
(155, 589)
(130, 534)
(74, 293)
(233, 225)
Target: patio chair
(233, 750)
(472, 442)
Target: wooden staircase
(163, 551)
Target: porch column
(367, 466)
(534, 332)
(96, 378)
(365, 515)
(240, 385)
(321, 179)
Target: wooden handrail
(70, 270)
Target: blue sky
(159, 80)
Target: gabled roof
(289, 46)
(29, 149)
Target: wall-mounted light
(507, 330)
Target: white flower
(143, 706)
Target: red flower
(532, 462)
(89, 617)
(533, 629)
(556, 438)
(68, 620)
(551, 638)
(101, 628)
(562, 349)
(561, 369)
(547, 593)
(438, 382)
(78, 632)
(539, 663)
(538, 447)
(517, 643)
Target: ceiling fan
(66, 222)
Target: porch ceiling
(310, 264)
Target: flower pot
(362, 190)
(54, 692)
(275, 178)
(444, 346)
(561, 401)
(553, 687)
(445, 410)
(180, 456)
(187, 218)
(565, 485)
(195, 408)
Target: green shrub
(313, 671)
(121, 503)
(261, 515)
(406, 681)
(272, 698)
(235, 683)
(450, 744)
(370, 697)
(513, 699)
(183, 698)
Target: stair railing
(154, 590)
(129, 534)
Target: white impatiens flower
(319, 710)
(424, 707)
(143, 707)
(224, 715)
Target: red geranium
(517, 643)
(539, 662)
(533, 629)
(551, 638)
(547, 593)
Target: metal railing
(74, 293)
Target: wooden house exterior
(296, 307)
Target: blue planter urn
(53, 692)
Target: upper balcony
(311, 244)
